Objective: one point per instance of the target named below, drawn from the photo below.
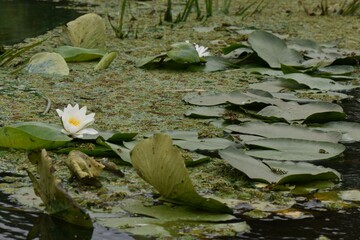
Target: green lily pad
(204, 144)
(213, 64)
(350, 130)
(205, 112)
(275, 171)
(32, 135)
(77, 54)
(161, 164)
(283, 130)
(293, 149)
(310, 112)
(274, 50)
(147, 61)
(169, 212)
(184, 53)
(250, 98)
(316, 82)
(337, 70)
(111, 136)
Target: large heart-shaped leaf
(276, 171)
(293, 149)
(274, 50)
(87, 31)
(161, 164)
(283, 130)
(32, 135)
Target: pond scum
(266, 108)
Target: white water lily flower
(75, 121)
(201, 50)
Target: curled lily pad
(293, 149)
(274, 50)
(85, 168)
(161, 164)
(47, 63)
(87, 31)
(105, 61)
(76, 54)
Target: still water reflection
(20, 19)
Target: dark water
(20, 19)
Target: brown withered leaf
(85, 168)
(58, 203)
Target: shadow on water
(22, 19)
(16, 224)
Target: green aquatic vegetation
(8, 55)
(118, 28)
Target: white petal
(59, 112)
(89, 131)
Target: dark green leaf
(32, 135)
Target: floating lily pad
(205, 112)
(161, 164)
(204, 144)
(87, 31)
(293, 149)
(256, 97)
(275, 171)
(32, 135)
(283, 130)
(316, 82)
(213, 64)
(47, 63)
(76, 54)
(350, 130)
(310, 112)
(274, 50)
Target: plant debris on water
(194, 131)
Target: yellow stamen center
(73, 121)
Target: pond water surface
(22, 19)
